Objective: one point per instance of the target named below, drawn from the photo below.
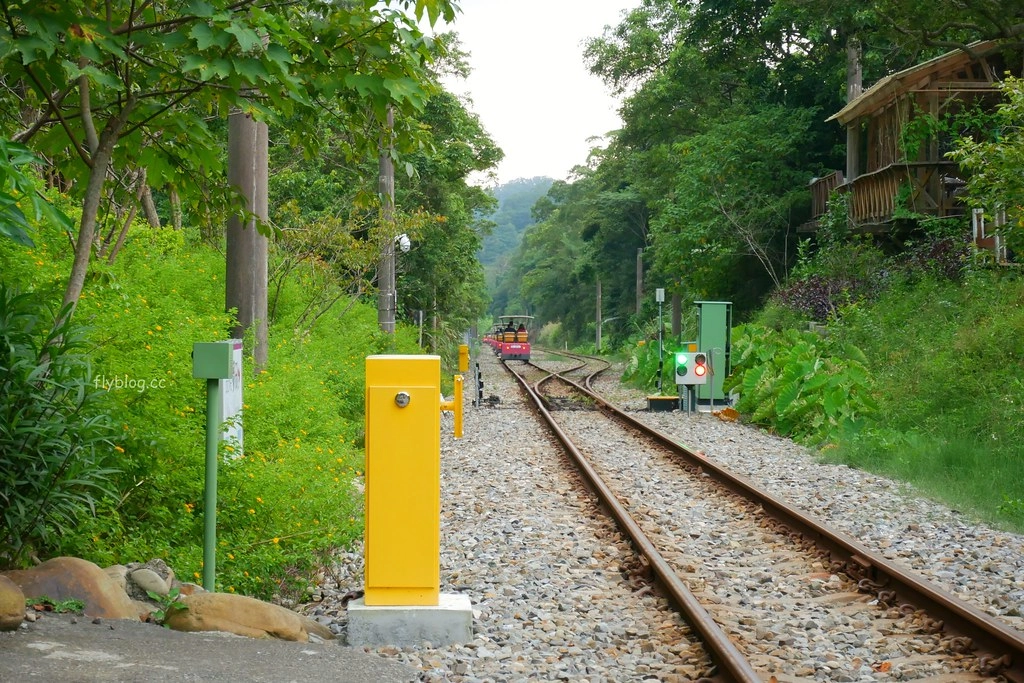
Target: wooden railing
(932, 189)
(821, 188)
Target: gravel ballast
(554, 591)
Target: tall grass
(290, 501)
(947, 360)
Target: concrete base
(447, 623)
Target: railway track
(749, 572)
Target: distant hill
(515, 201)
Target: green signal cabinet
(714, 337)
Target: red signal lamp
(700, 367)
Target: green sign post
(211, 361)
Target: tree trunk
(90, 207)
(175, 208)
(639, 279)
(148, 207)
(246, 260)
(677, 316)
(854, 86)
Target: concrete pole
(639, 279)
(386, 300)
(246, 259)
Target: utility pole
(639, 279)
(854, 86)
(597, 340)
(246, 261)
(659, 296)
(386, 299)
(677, 316)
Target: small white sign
(659, 295)
(231, 403)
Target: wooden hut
(895, 153)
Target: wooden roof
(889, 88)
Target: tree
(441, 274)
(19, 186)
(246, 252)
(995, 180)
(722, 129)
(102, 90)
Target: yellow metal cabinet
(403, 480)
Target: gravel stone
(557, 593)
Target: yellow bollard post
(403, 480)
(463, 357)
(455, 405)
(402, 604)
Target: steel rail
(999, 647)
(732, 665)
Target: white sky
(529, 85)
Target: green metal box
(211, 360)
(714, 337)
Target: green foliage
(643, 362)
(1012, 509)
(166, 603)
(846, 269)
(18, 185)
(948, 354)
(302, 418)
(56, 445)
(732, 196)
(995, 180)
(60, 606)
(515, 202)
(551, 272)
(163, 69)
(800, 384)
(970, 120)
(144, 92)
(841, 269)
(834, 225)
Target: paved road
(69, 649)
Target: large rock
(242, 616)
(12, 605)
(154, 576)
(150, 582)
(67, 578)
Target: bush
(285, 506)
(800, 384)
(643, 362)
(55, 441)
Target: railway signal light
(682, 366)
(691, 368)
(700, 367)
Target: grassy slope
(946, 358)
(302, 417)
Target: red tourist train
(510, 338)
